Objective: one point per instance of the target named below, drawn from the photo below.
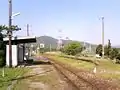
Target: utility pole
(60, 42)
(28, 44)
(103, 37)
(10, 33)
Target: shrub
(2, 58)
(2, 51)
(114, 53)
(73, 48)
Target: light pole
(103, 37)
(16, 14)
(95, 69)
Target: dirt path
(43, 77)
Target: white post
(94, 70)
(14, 55)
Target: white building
(18, 49)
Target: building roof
(18, 40)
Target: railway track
(61, 72)
(80, 82)
(76, 80)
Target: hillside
(47, 40)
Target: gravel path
(43, 77)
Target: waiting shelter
(18, 49)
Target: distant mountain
(117, 46)
(47, 40)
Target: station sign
(42, 45)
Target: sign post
(42, 48)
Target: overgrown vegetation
(99, 50)
(11, 74)
(105, 68)
(76, 49)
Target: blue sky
(78, 19)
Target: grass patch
(103, 64)
(10, 74)
(107, 65)
(112, 70)
(75, 63)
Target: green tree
(108, 49)
(99, 50)
(6, 28)
(13, 28)
(73, 48)
(114, 53)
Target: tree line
(75, 48)
(109, 51)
